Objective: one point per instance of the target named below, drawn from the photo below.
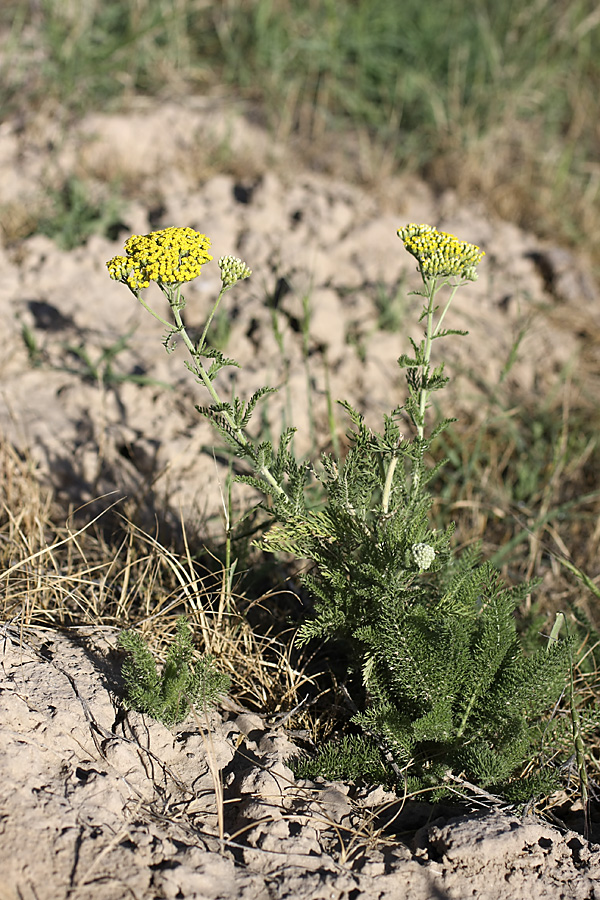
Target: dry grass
(109, 572)
(62, 568)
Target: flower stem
(195, 353)
(431, 287)
(445, 310)
(202, 341)
(387, 488)
(151, 311)
(176, 303)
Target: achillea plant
(440, 682)
(169, 696)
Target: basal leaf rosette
(171, 256)
(440, 254)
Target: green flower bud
(233, 270)
(423, 555)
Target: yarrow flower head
(171, 256)
(423, 555)
(439, 253)
(233, 270)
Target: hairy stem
(430, 285)
(177, 304)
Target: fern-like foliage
(346, 759)
(183, 683)
(444, 684)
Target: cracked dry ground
(98, 804)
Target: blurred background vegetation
(500, 101)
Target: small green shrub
(442, 685)
(183, 683)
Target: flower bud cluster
(439, 253)
(233, 270)
(423, 555)
(171, 256)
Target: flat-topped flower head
(423, 556)
(171, 256)
(233, 270)
(439, 253)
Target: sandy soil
(94, 803)
(101, 805)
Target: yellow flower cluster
(171, 256)
(439, 253)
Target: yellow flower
(171, 256)
(439, 253)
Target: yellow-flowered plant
(170, 258)
(442, 686)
